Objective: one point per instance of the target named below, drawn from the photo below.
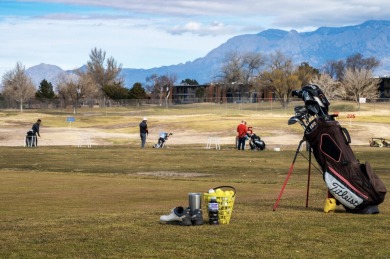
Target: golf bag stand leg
(288, 175)
(308, 179)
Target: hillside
(371, 39)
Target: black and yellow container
(225, 196)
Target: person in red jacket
(241, 134)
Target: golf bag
(30, 139)
(256, 143)
(161, 140)
(351, 183)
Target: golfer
(143, 131)
(241, 135)
(35, 131)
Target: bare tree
(160, 87)
(76, 87)
(357, 61)
(103, 72)
(18, 86)
(252, 62)
(359, 83)
(281, 77)
(231, 71)
(239, 69)
(331, 88)
(334, 68)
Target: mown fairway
(105, 202)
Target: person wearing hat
(35, 131)
(143, 131)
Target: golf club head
(292, 120)
(297, 93)
(295, 119)
(300, 110)
(312, 109)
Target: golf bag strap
(346, 135)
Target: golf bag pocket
(343, 190)
(355, 185)
(330, 142)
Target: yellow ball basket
(225, 199)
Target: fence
(147, 106)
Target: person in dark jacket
(35, 131)
(143, 131)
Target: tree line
(348, 79)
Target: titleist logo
(343, 193)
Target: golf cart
(379, 142)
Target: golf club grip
(346, 135)
(226, 186)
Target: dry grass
(105, 201)
(64, 202)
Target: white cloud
(152, 33)
(197, 28)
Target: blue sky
(153, 33)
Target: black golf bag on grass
(255, 142)
(161, 140)
(31, 140)
(351, 183)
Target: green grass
(67, 202)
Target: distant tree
(239, 69)
(160, 87)
(306, 72)
(103, 72)
(231, 70)
(45, 90)
(359, 83)
(252, 62)
(281, 77)
(116, 91)
(336, 68)
(332, 89)
(76, 87)
(137, 92)
(357, 62)
(189, 82)
(18, 86)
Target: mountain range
(371, 39)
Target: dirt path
(360, 133)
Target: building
(217, 93)
(384, 87)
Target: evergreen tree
(189, 82)
(137, 92)
(116, 91)
(45, 90)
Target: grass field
(105, 202)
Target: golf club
(294, 120)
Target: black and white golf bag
(161, 140)
(31, 139)
(256, 143)
(351, 183)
